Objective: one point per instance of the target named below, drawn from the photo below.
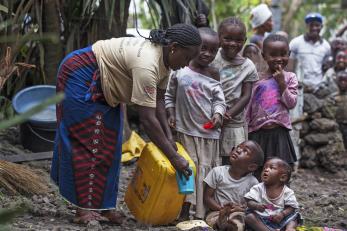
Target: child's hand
(227, 116)
(277, 218)
(260, 208)
(172, 121)
(234, 207)
(237, 208)
(217, 120)
(279, 76)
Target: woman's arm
(209, 200)
(155, 132)
(161, 115)
(242, 102)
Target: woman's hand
(181, 165)
(217, 120)
(173, 143)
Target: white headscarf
(259, 15)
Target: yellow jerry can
(152, 195)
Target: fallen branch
(26, 157)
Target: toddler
(272, 204)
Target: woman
(95, 80)
(261, 20)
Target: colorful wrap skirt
(88, 143)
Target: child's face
(342, 81)
(276, 54)
(272, 172)
(209, 49)
(232, 39)
(242, 155)
(338, 44)
(250, 52)
(341, 60)
(180, 57)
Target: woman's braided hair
(184, 34)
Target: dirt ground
(322, 197)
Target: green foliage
(7, 215)
(6, 108)
(149, 11)
(220, 9)
(34, 110)
(330, 9)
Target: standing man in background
(308, 52)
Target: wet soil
(322, 197)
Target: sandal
(113, 216)
(86, 216)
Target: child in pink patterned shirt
(272, 97)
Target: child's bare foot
(86, 216)
(113, 216)
(291, 226)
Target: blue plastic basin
(32, 96)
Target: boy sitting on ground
(272, 204)
(226, 186)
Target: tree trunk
(53, 52)
(292, 7)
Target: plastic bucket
(37, 134)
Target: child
(237, 75)
(273, 205)
(253, 52)
(341, 102)
(329, 85)
(194, 97)
(226, 186)
(273, 95)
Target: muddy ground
(322, 197)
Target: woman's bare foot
(85, 216)
(113, 216)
